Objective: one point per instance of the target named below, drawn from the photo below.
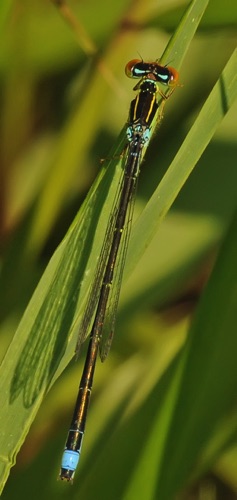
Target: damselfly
(104, 294)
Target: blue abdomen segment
(70, 460)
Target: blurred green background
(48, 163)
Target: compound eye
(174, 76)
(131, 70)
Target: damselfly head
(137, 68)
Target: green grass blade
(178, 46)
(53, 313)
(207, 391)
(184, 410)
(213, 111)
